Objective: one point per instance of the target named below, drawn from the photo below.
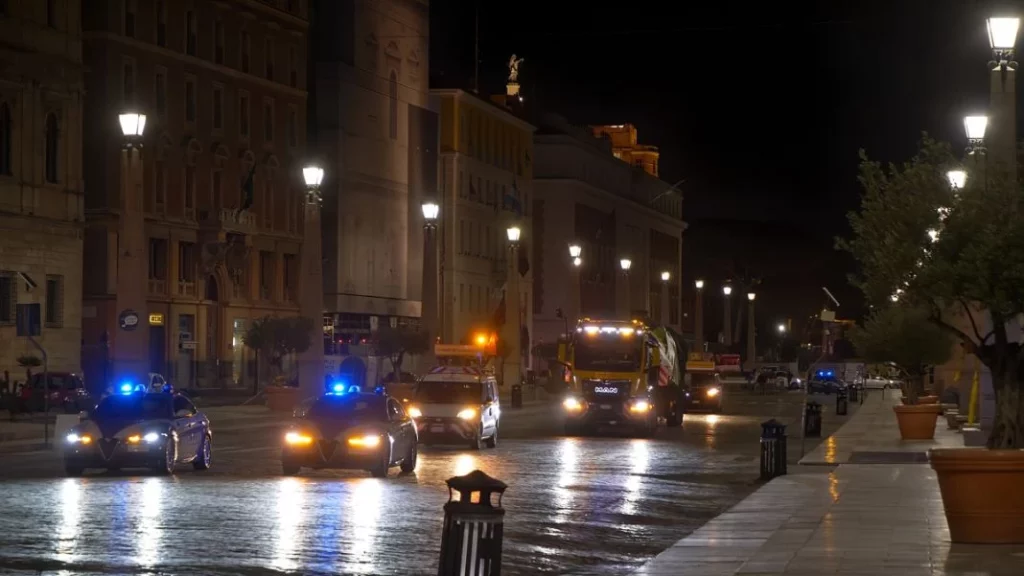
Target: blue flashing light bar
(126, 388)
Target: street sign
(28, 320)
(129, 320)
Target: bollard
(773, 449)
(473, 527)
(812, 420)
(841, 403)
(863, 395)
(517, 395)
(854, 393)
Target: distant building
(584, 195)
(41, 202)
(224, 87)
(486, 187)
(625, 147)
(378, 137)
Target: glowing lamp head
(430, 211)
(699, 284)
(625, 264)
(665, 276)
(1002, 32)
(751, 296)
(133, 124)
(957, 178)
(313, 176)
(575, 250)
(975, 127)
(513, 232)
(781, 328)
(577, 262)
(727, 290)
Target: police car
(457, 404)
(348, 429)
(136, 428)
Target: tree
(396, 343)
(906, 337)
(277, 338)
(956, 253)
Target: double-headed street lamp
(430, 312)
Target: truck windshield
(699, 380)
(448, 392)
(608, 354)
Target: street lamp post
(698, 315)
(751, 348)
(311, 303)
(429, 313)
(513, 362)
(1002, 35)
(131, 338)
(575, 297)
(665, 277)
(625, 264)
(727, 330)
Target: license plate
(606, 406)
(437, 428)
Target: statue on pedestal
(513, 69)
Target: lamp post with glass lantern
(575, 253)
(698, 314)
(626, 304)
(513, 302)
(311, 286)
(430, 308)
(131, 338)
(665, 277)
(727, 330)
(751, 348)
(1002, 36)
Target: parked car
(66, 390)
(825, 382)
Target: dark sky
(762, 109)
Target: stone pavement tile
(716, 569)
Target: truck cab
(612, 378)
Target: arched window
(393, 113)
(5, 138)
(52, 147)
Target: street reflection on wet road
(574, 506)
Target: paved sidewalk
(872, 436)
(863, 520)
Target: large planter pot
(917, 422)
(928, 399)
(981, 494)
(282, 398)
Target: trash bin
(854, 393)
(473, 527)
(773, 449)
(812, 420)
(517, 395)
(842, 405)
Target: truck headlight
(712, 392)
(467, 414)
(572, 404)
(640, 406)
(414, 412)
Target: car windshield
(447, 392)
(359, 408)
(609, 354)
(135, 407)
(699, 379)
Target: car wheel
(476, 442)
(409, 462)
(381, 469)
(166, 465)
(289, 468)
(73, 471)
(205, 455)
(492, 441)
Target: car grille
(327, 448)
(107, 447)
(609, 389)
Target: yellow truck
(621, 373)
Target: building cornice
(487, 106)
(646, 210)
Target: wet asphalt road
(574, 506)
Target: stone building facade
(223, 84)
(41, 202)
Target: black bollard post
(773, 449)
(854, 392)
(812, 420)
(517, 395)
(841, 402)
(473, 527)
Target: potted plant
(904, 336)
(955, 249)
(276, 338)
(395, 344)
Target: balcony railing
(265, 293)
(157, 286)
(186, 288)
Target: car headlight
(297, 439)
(572, 404)
(467, 414)
(712, 392)
(368, 441)
(640, 406)
(151, 438)
(415, 412)
(76, 439)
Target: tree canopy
(904, 336)
(956, 253)
(278, 337)
(396, 343)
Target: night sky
(761, 109)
